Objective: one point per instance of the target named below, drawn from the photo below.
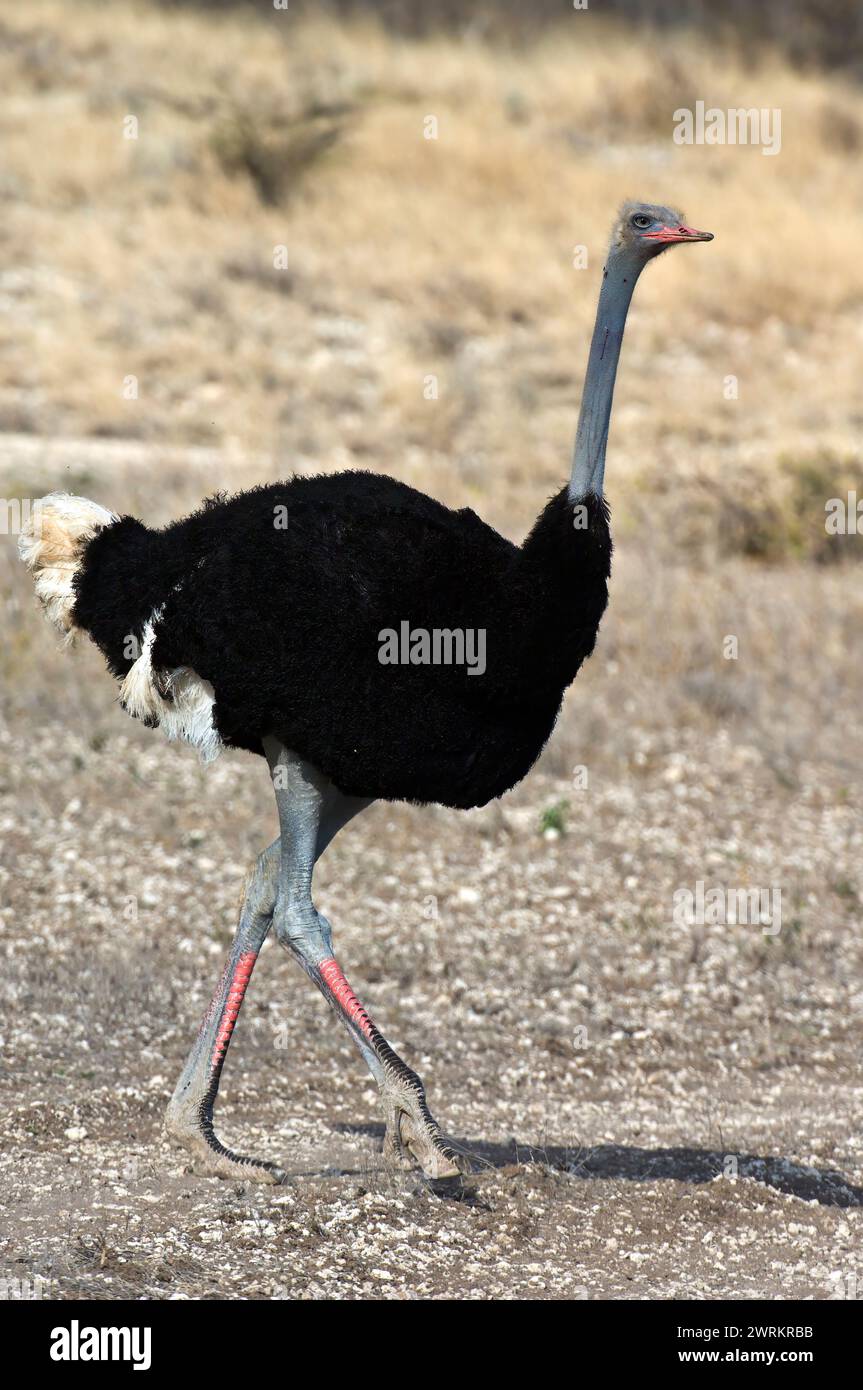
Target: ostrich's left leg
(190, 1111)
(189, 1117)
(303, 796)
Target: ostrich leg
(190, 1112)
(303, 796)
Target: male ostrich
(259, 623)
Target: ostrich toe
(413, 1137)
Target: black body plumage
(285, 622)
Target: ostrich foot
(211, 1157)
(413, 1137)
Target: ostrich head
(643, 230)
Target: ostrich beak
(668, 236)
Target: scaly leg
(303, 796)
(189, 1117)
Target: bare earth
(609, 1070)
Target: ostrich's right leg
(304, 796)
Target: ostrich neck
(588, 463)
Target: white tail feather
(51, 543)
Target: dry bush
(274, 152)
(773, 516)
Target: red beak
(668, 235)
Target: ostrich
(265, 621)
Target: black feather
(285, 624)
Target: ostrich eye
(641, 220)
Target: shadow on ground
(823, 1185)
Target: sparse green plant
(554, 818)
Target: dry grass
(408, 257)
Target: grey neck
(588, 463)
